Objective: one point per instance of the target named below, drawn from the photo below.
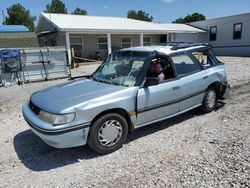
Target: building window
(213, 33)
(163, 39)
(146, 41)
(237, 31)
(76, 42)
(102, 43)
(126, 42)
(53, 42)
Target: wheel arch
(119, 111)
(217, 86)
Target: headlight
(56, 119)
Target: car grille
(34, 108)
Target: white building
(91, 34)
(228, 35)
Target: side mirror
(152, 81)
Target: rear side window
(184, 65)
(205, 58)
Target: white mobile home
(228, 35)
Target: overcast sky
(161, 10)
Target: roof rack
(174, 43)
(182, 45)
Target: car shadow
(219, 105)
(155, 127)
(38, 156)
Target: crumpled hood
(65, 97)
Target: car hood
(66, 97)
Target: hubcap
(110, 133)
(211, 98)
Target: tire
(209, 101)
(108, 133)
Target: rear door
(192, 80)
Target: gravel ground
(191, 150)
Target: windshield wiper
(100, 80)
(105, 81)
(95, 79)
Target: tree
(18, 15)
(190, 18)
(56, 6)
(139, 15)
(79, 11)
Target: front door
(159, 101)
(156, 102)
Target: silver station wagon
(132, 88)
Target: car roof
(167, 49)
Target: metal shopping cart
(10, 65)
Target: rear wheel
(108, 133)
(209, 101)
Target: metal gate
(37, 64)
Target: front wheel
(108, 133)
(209, 101)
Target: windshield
(121, 68)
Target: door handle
(205, 77)
(176, 87)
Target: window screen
(102, 43)
(146, 41)
(237, 31)
(126, 42)
(213, 33)
(76, 42)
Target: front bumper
(59, 138)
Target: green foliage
(190, 18)
(79, 11)
(56, 6)
(19, 16)
(139, 15)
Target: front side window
(161, 68)
(213, 33)
(184, 65)
(146, 41)
(126, 42)
(102, 43)
(121, 68)
(237, 31)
